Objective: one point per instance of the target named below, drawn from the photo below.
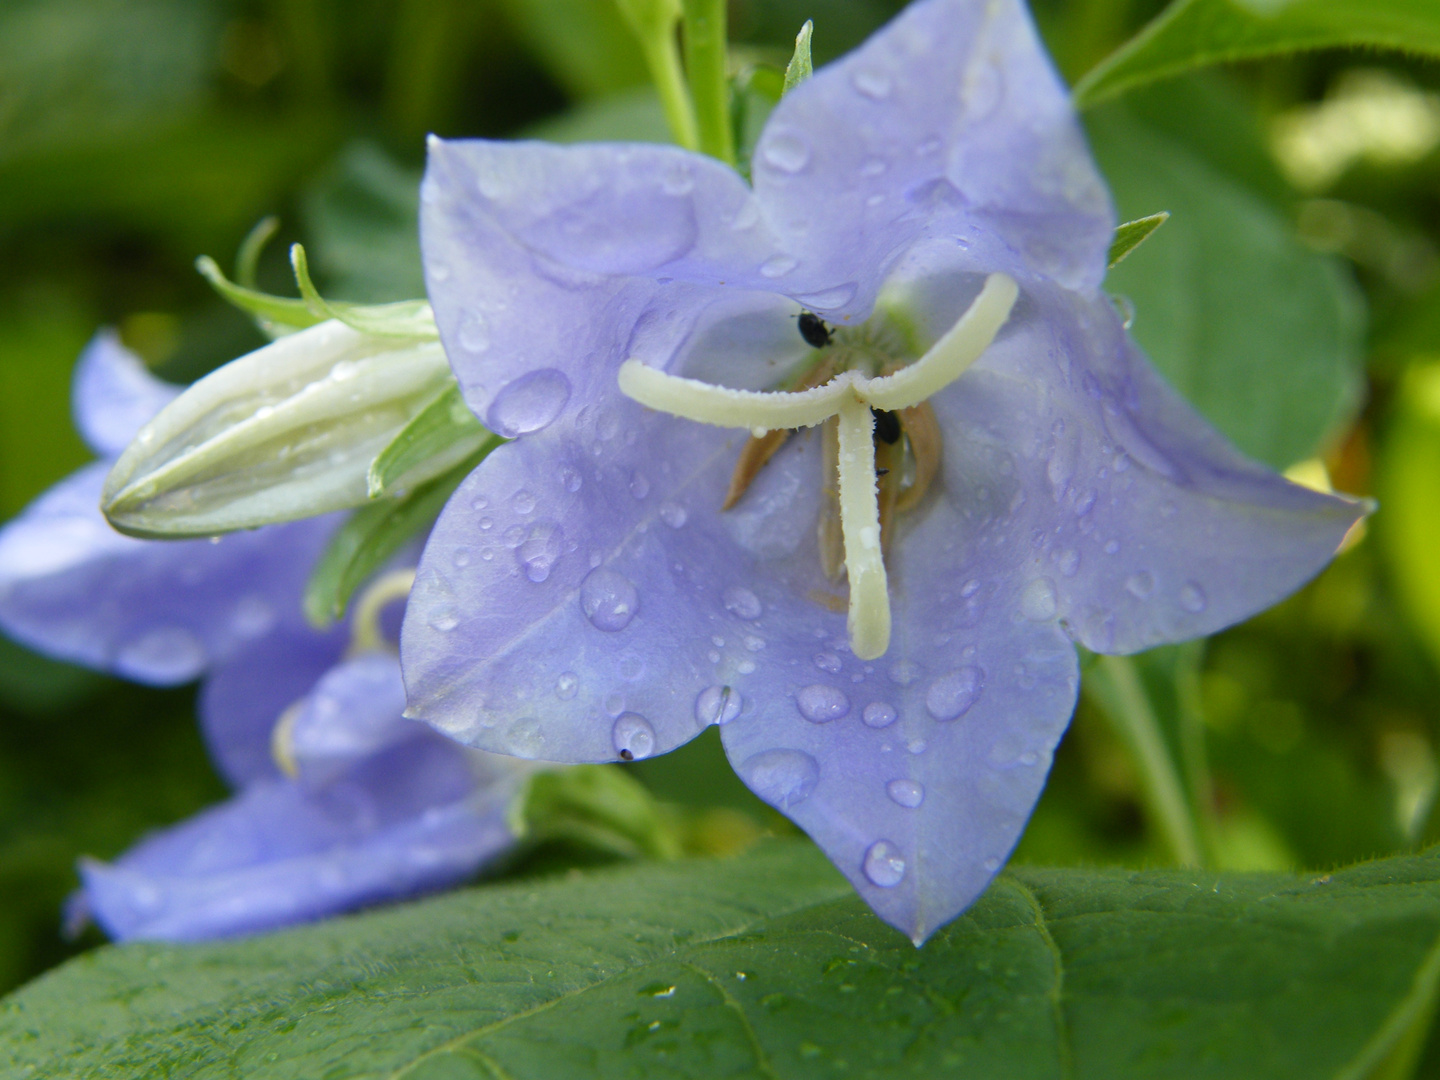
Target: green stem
(706, 56)
(662, 54)
(1194, 758)
(1121, 696)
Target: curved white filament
(724, 407)
(868, 619)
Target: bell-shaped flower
(884, 619)
(341, 800)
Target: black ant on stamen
(887, 426)
(814, 330)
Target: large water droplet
(828, 298)
(444, 619)
(781, 777)
(528, 403)
(1037, 601)
(820, 704)
(742, 603)
(786, 151)
(879, 714)
(539, 550)
(716, 705)
(884, 865)
(907, 793)
(608, 599)
(633, 737)
(950, 696)
(525, 738)
(872, 83)
(1192, 598)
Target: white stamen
(869, 617)
(850, 396)
(365, 633)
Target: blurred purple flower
(582, 596)
(378, 807)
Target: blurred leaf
(585, 45)
(768, 964)
(1409, 490)
(632, 116)
(598, 805)
(1261, 335)
(363, 216)
(800, 67)
(1132, 234)
(1195, 33)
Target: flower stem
(1114, 684)
(706, 53)
(662, 56)
(1193, 757)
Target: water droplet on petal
(782, 778)
(970, 588)
(571, 479)
(539, 550)
(991, 865)
(673, 515)
(879, 714)
(820, 704)
(1068, 563)
(461, 557)
(872, 83)
(1112, 547)
(828, 661)
(717, 705)
(474, 334)
(639, 486)
(529, 403)
(1140, 585)
(633, 737)
(786, 151)
(904, 672)
(907, 793)
(1037, 600)
(1192, 598)
(777, 266)
(826, 299)
(567, 685)
(169, 654)
(884, 865)
(444, 619)
(608, 599)
(524, 502)
(951, 696)
(742, 603)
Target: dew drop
(906, 793)
(742, 603)
(884, 865)
(461, 557)
(873, 166)
(567, 685)
(538, 551)
(970, 588)
(524, 502)
(614, 704)
(786, 151)
(1037, 600)
(1068, 563)
(633, 737)
(608, 599)
(571, 480)
(717, 705)
(828, 661)
(782, 778)
(904, 672)
(673, 515)
(169, 654)
(1112, 547)
(1084, 504)
(444, 619)
(474, 334)
(820, 704)
(529, 403)
(677, 179)
(639, 485)
(524, 738)
(879, 714)
(777, 266)
(951, 696)
(1140, 585)
(991, 865)
(873, 84)
(826, 299)
(1192, 598)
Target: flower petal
(1126, 515)
(949, 121)
(114, 395)
(405, 823)
(158, 613)
(355, 710)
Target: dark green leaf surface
(1259, 334)
(767, 965)
(1194, 33)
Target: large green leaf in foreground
(1194, 33)
(767, 965)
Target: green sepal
(445, 431)
(1132, 234)
(276, 315)
(374, 533)
(407, 318)
(247, 259)
(800, 67)
(600, 806)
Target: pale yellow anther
(849, 397)
(365, 633)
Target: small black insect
(626, 755)
(887, 426)
(814, 330)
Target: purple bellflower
(362, 806)
(884, 619)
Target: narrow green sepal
(800, 67)
(1134, 233)
(276, 315)
(407, 318)
(443, 432)
(374, 533)
(247, 259)
(599, 806)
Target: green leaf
(1191, 34)
(1261, 335)
(1409, 490)
(800, 67)
(768, 965)
(1132, 234)
(374, 533)
(585, 45)
(601, 806)
(443, 431)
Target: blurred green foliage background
(1294, 297)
